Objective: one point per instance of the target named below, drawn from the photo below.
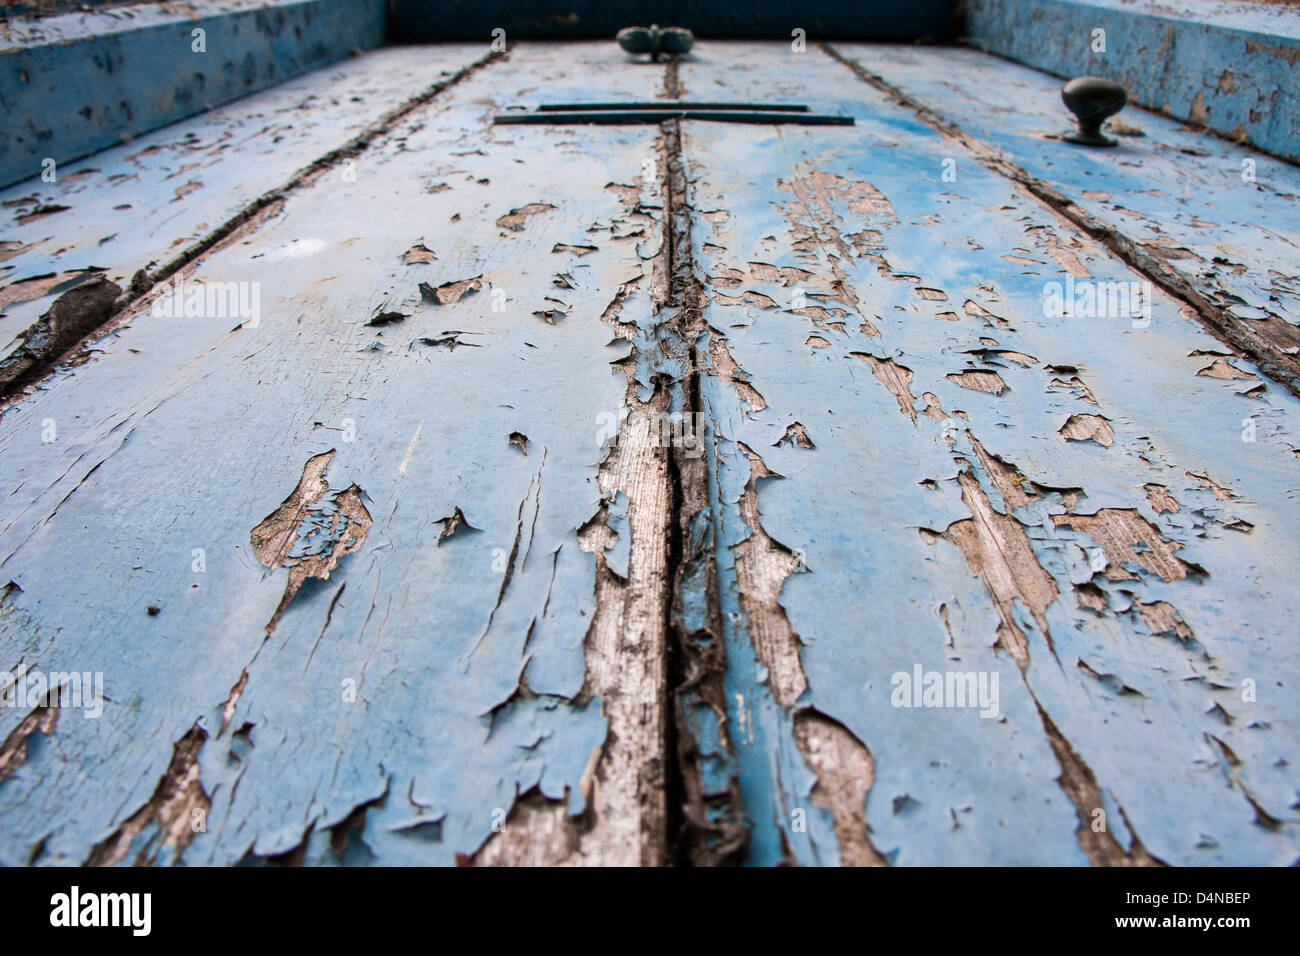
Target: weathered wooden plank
(1214, 223)
(935, 510)
(146, 205)
(416, 428)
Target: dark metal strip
(671, 105)
(623, 117)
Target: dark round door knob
(1093, 100)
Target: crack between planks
(632, 779)
(712, 829)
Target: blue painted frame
(73, 84)
(1230, 67)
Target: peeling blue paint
(984, 790)
(1220, 215)
(410, 682)
(857, 306)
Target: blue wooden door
(919, 491)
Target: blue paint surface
(155, 198)
(882, 597)
(466, 644)
(414, 684)
(1222, 216)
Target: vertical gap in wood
(705, 829)
(674, 782)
